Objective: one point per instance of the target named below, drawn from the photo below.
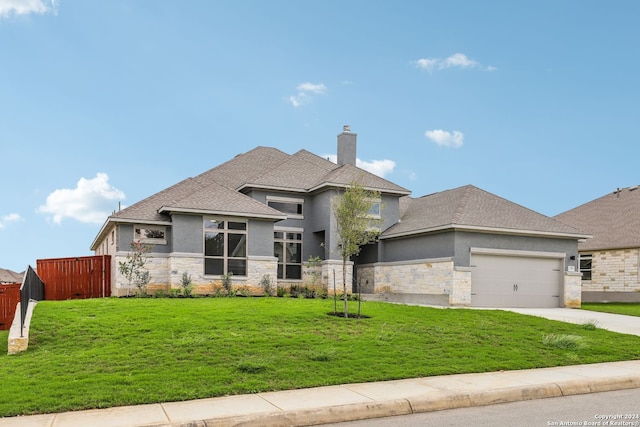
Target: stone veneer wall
(614, 271)
(436, 277)
(328, 269)
(166, 273)
(572, 297)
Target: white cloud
(376, 167)
(305, 90)
(26, 7)
(7, 219)
(443, 138)
(91, 201)
(310, 87)
(457, 60)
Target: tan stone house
(609, 261)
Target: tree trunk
(344, 287)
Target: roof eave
(345, 186)
(494, 230)
(270, 187)
(273, 217)
(111, 221)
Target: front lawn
(111, 352)
(629, 309)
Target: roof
(470, 208)
(306, 172)
(218, 190)
(613, 220)
(8, 276)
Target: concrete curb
(416, 404)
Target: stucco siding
(466, 240)
(188, 233)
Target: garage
(516, 280)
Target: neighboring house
(8, 276)
(609, 261)
(266, 212)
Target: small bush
(227, 283)
(267, 284)
(564, 342)
(281, 292)
(187, 284)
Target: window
(287, 247)
(225, 247)
(149, 234)
(374, 210)
(585, 266)
(291, 207)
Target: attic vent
(635, 187)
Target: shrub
(267, 284)
(187, 284)
(227, 283)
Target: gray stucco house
(266, 212)
(609, 261)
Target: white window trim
(153, 241)
(288, 200)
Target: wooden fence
(9, 299)
(76, 278)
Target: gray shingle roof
(472, 208)
(216, 190)
(613, 220)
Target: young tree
(355, 225)
(134, 270)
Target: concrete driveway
(612, 322)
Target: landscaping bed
(111, 352)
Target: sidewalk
(355, 401)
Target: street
(615, 408)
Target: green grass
(110, 352)
(630, 309)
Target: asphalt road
(614, 408)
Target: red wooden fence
(76, 278)
(9, 299)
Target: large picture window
(225, 247)
(287, 247)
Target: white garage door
(515, 281)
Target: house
(609, 261)
(8, 276)
(266, 212)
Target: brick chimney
(347, 146)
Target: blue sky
(107, 102)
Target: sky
(104, 103)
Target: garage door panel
(515, 281)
